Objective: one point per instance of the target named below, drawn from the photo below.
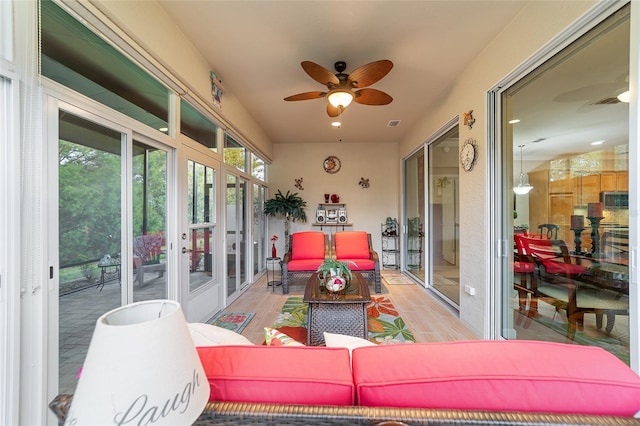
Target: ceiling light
(523, 185)
(514, 121)
(597, 142)
(336, 124)
(624, 97)
(340, 98)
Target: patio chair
(306, 252)
(146, 256)
(356, 247)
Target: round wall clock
(468, 154)
(331, 164)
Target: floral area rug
(386, 326)
(235, 321)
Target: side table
(274, 280)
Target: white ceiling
(256, 48)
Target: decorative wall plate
(331, 164)
(468, 154)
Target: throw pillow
(343, 341)
(274, 337)
(212, 335)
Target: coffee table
(341, 314)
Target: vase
(274, 253)
(335, 284)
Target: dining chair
(549, 230)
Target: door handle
(186, 250)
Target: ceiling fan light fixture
(523, 187)
(340, 97)
(624, 97)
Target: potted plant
(291, 206)
(335, 274)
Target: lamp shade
(141, 368)
(340, 98)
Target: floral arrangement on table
(336, 274)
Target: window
(198, 127)
(234, 153)
(99, 71)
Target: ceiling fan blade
(372, 97)
(306, 96)
(332, 111)
(368, 74)
(319, 73)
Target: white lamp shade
(141, 368)
(340, 97)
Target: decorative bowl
(335, 284)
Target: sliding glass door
(102, 262)
(443, 230)
(414, 215)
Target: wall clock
(331, 164)
(468, 154)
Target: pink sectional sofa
(521, 381)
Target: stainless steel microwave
(614, 200)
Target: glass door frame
(203, 302)
(128, 136)
(499, 232)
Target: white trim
(10, 225)
(634, 179)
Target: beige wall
(161, 38)
(536, 25)
(366, 208)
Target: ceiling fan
(340, 85)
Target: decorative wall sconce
(364, 183)
(217, 89)
(469, 121)
(299, 184)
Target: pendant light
(523, 184)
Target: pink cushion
(513, 375)
(307, 245)
(361, 264)
(352, 245)
(304, 264)
(280, 374)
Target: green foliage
(341, 268)
(290, 206)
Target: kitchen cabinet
(614, 181)
(586, 190)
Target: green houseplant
(332, 266)
(290, 206)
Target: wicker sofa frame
(239, 413)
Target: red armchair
(356, 247)
(306, 253)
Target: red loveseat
(515, 382)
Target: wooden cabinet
(614, 181)
(586, 190)
(562, 186)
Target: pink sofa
(527, 379)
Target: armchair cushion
(307, 245)
(352, 245)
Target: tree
(290, 206)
